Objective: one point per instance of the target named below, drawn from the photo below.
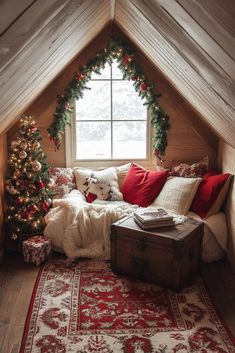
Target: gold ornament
(10, 188)
(14, 144)
(16, 174)
(51, 182)
(22, 154)
(23, 145)
(36, 145)
(36, 166)
(35, 224)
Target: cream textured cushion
(177, 194)
(102, 184)
(122, 171)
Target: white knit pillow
(122, 171)
(177, 194)
(102, 184)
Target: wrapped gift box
(37, 249)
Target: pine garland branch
(116, 50)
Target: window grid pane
(107, 125)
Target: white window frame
(70, 149)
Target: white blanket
(81, 229)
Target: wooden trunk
(168, 256)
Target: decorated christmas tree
(28, 182)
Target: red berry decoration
(134, 78)
(143, 86)
(45, 205)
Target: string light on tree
(28, 195)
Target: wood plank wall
(44, 106)
(226, 163)
(189, 138)
(3, 166)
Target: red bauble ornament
(134, 78)
(127, 59)
(79, 77)
(143, 86)
(67, 106)
(32, 208)
(157, 152)
(40, 185)
(18, 201)
(45, 205)
(24, 215)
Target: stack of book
(153, 218)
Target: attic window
(110, 121)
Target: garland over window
(131, 71)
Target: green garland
(131, 71)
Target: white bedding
(80, 229)
(215, 235)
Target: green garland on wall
(131, 71)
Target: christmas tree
(28, 182)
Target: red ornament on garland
(67, 106)
(127, 59)
(133, 78)
(143, 86)
(79, 77)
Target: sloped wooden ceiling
(191, 41)
(38, 39)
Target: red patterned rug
(87, 308)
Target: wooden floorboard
(220, 281)
(17, 281)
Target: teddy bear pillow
(102, 184)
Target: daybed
(86, 203)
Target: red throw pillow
(141, 187)
(209, 190)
